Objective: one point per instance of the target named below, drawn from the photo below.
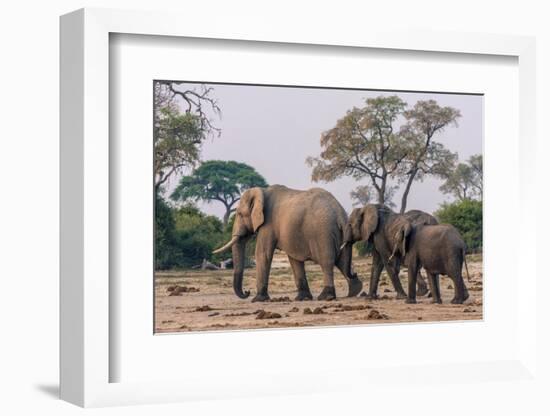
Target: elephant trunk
(348, 237)
(344, 262)
(238, 251)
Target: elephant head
(249, 217)
(362, 223)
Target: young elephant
(440, 250)
(306, 225)
(379, 224)
(418, 217)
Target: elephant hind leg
(433, 280)
(461, 293)
(299, 272)
(328, 292)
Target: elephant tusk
(343, 245)
(227, 246)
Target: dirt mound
(204, 308)
(176, 290)
(267, 315)
(374, 314)
(239, 314)
(281, 299)
(316, 311)
(347, 308)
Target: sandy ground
(206, 301)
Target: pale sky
(274, 129)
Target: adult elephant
(306, 225)
(379, 224)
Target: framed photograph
(318, 213)
(219, 150)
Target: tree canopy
(386, 144)
(465, 181)
(424, 155)
(178, 135)
(363, 144)
(218, 180)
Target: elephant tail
(466, 264)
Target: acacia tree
(466, 180)
(476, 164)
(424, 155)
(361, 196)
(178, 135)
(218, 180)
(363, 144)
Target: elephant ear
(401, 230)
(257, 207)
(369, 221)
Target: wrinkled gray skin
(440, 250)
(306, 225)
(379, 224)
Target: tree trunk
(406, 192)
(226, 216)
(382, 192)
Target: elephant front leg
(422, 287)
(264, 256)
(376, 270)
(393, 270)
(299, 272)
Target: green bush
(363, 248)
(197, 234)
(184, 236)
(467, 217)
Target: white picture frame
(85, 220)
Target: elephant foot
(303, 295)
(422, 291)
(401, 296)
(371, 296)
(412, 301)
(261, 297)
(354, 287)
(457, 301)
(328, 293)
(437, 301)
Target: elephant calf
(440, 250)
